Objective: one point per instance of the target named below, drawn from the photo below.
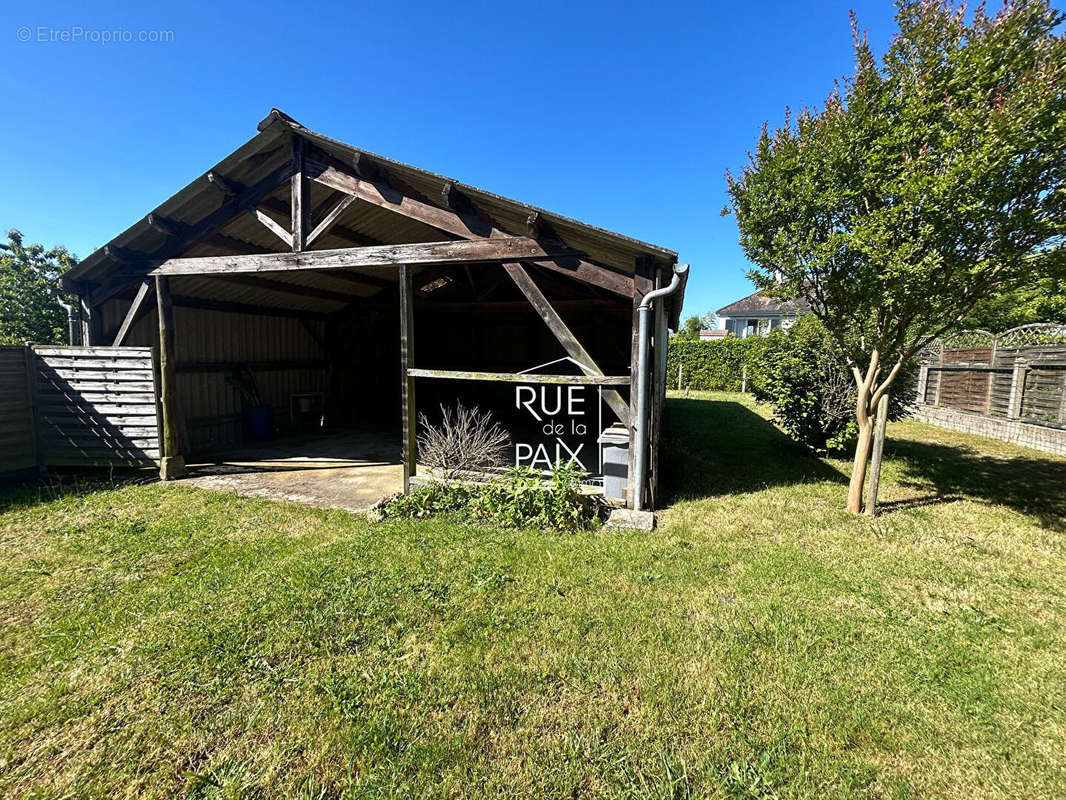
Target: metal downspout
(677, 281)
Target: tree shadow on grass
(24, 492)
(717, 447)
(1033, 485)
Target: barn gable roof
(198, 220)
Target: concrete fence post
(1017, 388)
(1062, 405)
(923, 382)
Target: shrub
(466, 440)
(714, 366)
(519, 498)
(805, 378)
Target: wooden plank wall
(283, 356)
(17, 440)
(96, 406)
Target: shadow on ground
(718, 447)
(63, 482)
(1034, 486)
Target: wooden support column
(171, 462)
(643, 282)
(301, 197)
(31, 399)
(90, 322)
(407, 387)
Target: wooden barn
(303, 287)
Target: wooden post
(31, 398)
(1017, 388)
(679, 377)
(301, 201)
(171, 460)
(407, 385)
(878, 449)
(90, 323)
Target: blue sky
(624, 115)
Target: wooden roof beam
(300, 208)
(465, 226)
(230, 189)
(421, 253)
(330, 218)
(272, 225)
(236, 200)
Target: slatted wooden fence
(91, 406)
(18, 449)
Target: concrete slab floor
(350, 470)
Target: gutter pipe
(72, 320)
(677, 281)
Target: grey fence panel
(96, 406)
(999, 393)
(1044, 399)
(18, 450)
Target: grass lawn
(159, 641)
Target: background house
(757, 314)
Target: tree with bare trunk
(928, 182)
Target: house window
(764, 327)
(752, 328)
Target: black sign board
(547, 423)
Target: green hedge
(716, 365)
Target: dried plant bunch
(467, 439)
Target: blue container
(260, 421)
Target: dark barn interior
(311, 278)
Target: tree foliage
(804, 376)
(1043, 300)
(690, 329)
(30, 307)
(929, 181)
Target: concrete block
(634, 520)
(171, 467)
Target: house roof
(759, 303)
(168, 230)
